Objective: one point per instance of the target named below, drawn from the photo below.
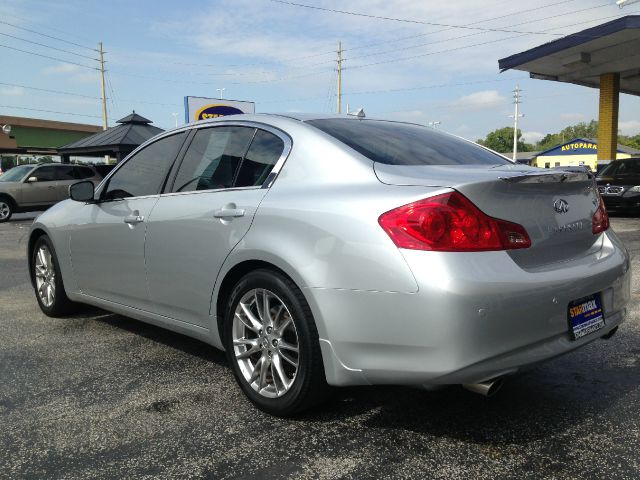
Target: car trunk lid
(555, 207)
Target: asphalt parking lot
(104, 396)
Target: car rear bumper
(475, 317)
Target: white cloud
(61, 68)
(12, 91)
(629, 127)
(480, 100)
(532, 137)
(572, 117)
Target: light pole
(220, 90)
(175, 117)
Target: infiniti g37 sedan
(329, 251)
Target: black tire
(309, 387)
(61, 305)
(7, 208)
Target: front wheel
(272, 344)
(6, 210)
(47, 280)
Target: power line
(406, 20)
(48, 36)
(50, 111)
(468, 24)
(393, 60)
(48, 46)
(47, 56)
(49, 91)
(479, 33)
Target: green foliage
(501, 140)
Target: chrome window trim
(213, 190)
(288, 146)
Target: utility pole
(220, 92)
(339, 99)
(104, 94)
(515, 116)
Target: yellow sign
(579, 146)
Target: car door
(210, 207)
(43, 190)
(65, 177)
(107, 242)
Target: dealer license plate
(585, 316)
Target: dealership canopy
(132, 131)
(604, 57)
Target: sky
(283, 58)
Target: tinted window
(45, 174)
(144, 173)
(263, 154)
(65, 173)
(213, 158)
(403, 144)
(621, 167)
(82, 172)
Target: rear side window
(65, 173)
(263, 154)
(82, 172)
(404, 144)
(213, 159)
(144, 173)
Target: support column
(608, 120)
(65, 158)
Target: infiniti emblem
(561, 206)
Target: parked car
(36, 187)
(619, 184)
(339, 251)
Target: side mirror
(82, 191)
(32, 179)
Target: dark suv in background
(36, 187)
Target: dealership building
(577, 152)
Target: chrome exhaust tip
(487, 389)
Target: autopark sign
(202, 108)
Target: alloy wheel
(45, 276)
(265, 343)
(5, 210)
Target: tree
(501, 140)
(580, 130)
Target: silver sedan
(328, 251)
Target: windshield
(406, 144)
(15, 174)
(621, 167)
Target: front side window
(144, 173)
(405, 144)
(45, 174)
(213, 158)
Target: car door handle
(229, 213)
(134, 219)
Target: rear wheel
(47, 280)
(6, 209)
(272, 344)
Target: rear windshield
(621, 167)
(405, 144)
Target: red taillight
(450, 223)
(600, 221)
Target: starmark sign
(202, 108)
